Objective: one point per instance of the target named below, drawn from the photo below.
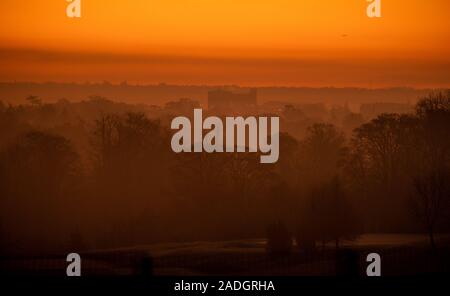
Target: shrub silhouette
(328, 216)
(306, 236)
(279, 239)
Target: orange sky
(296, 42)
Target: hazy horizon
(310, 43)
(135, 134)
(39, 65)
(164, 83)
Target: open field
(401, 254)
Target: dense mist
(95, 174)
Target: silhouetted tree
(131, 161)
(40, 173)
(333, 217)
(434, 114)
(308, 230)
(34, 100)
(383, 154)
(431, 197)
(321, 154)
(382, 143)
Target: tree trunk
(432, 242)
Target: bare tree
(431, 193)
(431, 198)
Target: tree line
(113, 181)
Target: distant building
(231, 102)
(183, 106)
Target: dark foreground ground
(401, 254)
